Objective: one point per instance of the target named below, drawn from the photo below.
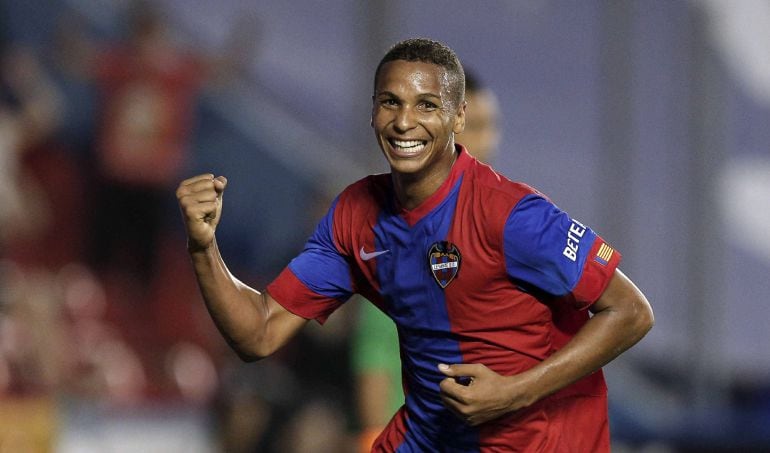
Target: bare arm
(252, 322)
(622, 316)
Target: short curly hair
(429, 51)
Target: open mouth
(407, 146)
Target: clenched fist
(200, 199)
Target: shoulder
(496, 193)
(491, 199)
(359, 205)
(372, 190)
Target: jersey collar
(412, 216)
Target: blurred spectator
(28, 113)
(375, 355)
(147, 92)
(253, 403)
(33, 358)
(482, 120)
(105, 368)
(104, 353)
(32, 351)
(56, 340)
(71, 59)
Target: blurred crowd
(98, 304)
(105, 344)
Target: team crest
(444, 261)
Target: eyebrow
(419, 96)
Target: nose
(405, 119)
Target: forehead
(412, 77)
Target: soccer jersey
(486, 270)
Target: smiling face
(415, 117)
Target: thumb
(220, 182)
(462, 373)
(446, 369)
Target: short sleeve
(546, 249)
(318, 280)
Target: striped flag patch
(604, 254)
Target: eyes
(422, 105)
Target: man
(482, 120)
(375, 356)
(489, 283)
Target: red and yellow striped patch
(604, 254)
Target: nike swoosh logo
(367, 256)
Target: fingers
(453, 391)
(205, 176)
(446, 369)
(202, 188)
(460, 408)
(220, 182)
(459, 369)
(463, 373)
(200, 198)
(455, 386)
(456, 391)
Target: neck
(412, 189)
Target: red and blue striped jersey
(486, 270)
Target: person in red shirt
(147, 93)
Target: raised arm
(252, 322)
(622, 316)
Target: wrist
(525, 389)
(196, 248)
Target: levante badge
(444, 261)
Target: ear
(371, 115)
(459, 124)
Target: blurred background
(649, 121)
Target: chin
(406, 165)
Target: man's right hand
(200, 199)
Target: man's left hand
(475, 393)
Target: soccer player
(507, 307)
(375, 355)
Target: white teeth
(409, 145)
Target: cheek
(435, 124)
(379, 119)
